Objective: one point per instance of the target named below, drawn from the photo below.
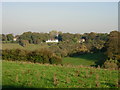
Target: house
(50, 41)
(14, 39)
(81, 40)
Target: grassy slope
(28, 47)
(16, 74)
(86, 59)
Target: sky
(73, 17)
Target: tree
(10, 37)
(26, 36)
(53, 34)
(60, 37)
(23, 42)
(112, 45)
(4, 38)
(34, 38)
(0, 37)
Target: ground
(74, 73)
(30, 75)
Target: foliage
(10, 37)
(112, 45)
(23, 43)
(95, 41)
(53, 34)
(15, 54)
(4, 38)
(110, 64)
(34, 38)
(36, 56)
(68, 44)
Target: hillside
(28, 47)
(89, 59)
(30, 75)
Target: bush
(110, 64)
(55, 60)
(23, 42)
(15, 54)
(37, 56)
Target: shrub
(55, 60)
(15, 54)
(23, 42)
(110, 64)
(37, 56)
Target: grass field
(73, 74)
(29, 75)
(28, 47)
(89, 59)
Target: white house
(14, 39)
(81, 40)
(56, 40)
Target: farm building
(50, 41)
(81, 40)
(14, 39)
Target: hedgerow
(36, 56)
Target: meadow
(89, 59)
(23, 75)
(74, 72)
(28, 47)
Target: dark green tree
(9, 37)
(112, 45)
(23, 43)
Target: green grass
(77, 61)
(28, 47)
(0, 73)
(29, 75)
(85, 59)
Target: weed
(67, 79)
(97, 84)
(55, 80)
(77, 73)
(97, 77)
(91, 72)
(16, 79)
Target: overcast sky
(74, 17)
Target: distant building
(14, 39)
(50, 41)
(81, 40)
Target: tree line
(68, 44)
(37, 56)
